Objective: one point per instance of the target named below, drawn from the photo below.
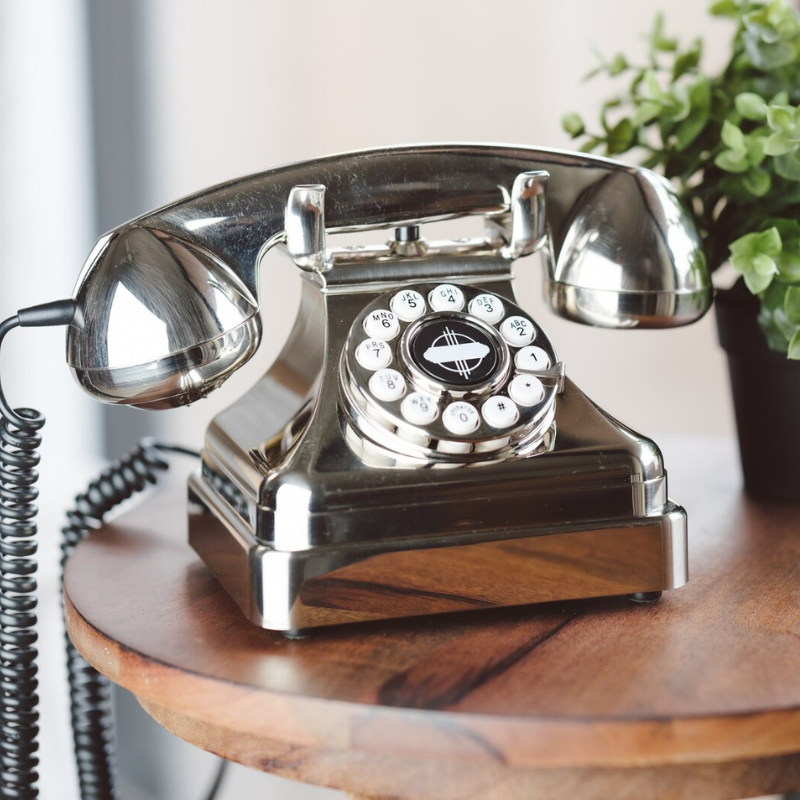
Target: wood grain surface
(697, 695)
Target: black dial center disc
(455, 351)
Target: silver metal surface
(305, 227)
(317, 504)
(528, 214)
(624, 253)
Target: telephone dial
(417, 447)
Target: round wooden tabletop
(696, 695)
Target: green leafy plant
(729, 142)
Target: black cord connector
(58, 312)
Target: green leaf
(757, 182)
(794, 347)
(791, 304)
(732, 136)
(687, 60)
(788, 262)
(781, 118)
(767, 55)
(620, 137)
(756, 282)
(659, 42)
(769, 242)
(724, 8)
(744, 245)
(755, 148)
(778, 145)
(573, 124)
(780, 99)
(788, 166)
(653, 88)
(751, 106)
(618, 65)
(764, 265)
(731, 161)
(645, 112)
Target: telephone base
(293, 591)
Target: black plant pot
(766, 399)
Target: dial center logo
(455, 351)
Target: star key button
(526, 390)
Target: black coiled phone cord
(19, 718)
(90, 694)
(90, 697)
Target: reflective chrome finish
(622, 246)
(305, 227)
(599, 282)
(528, 214)
(316, 504)
(163, 322)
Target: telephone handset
(416, 447)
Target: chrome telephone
(416, 448)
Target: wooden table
(696, 696)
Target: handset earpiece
(162, 322)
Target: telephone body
(416, 447)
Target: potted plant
(730, 143)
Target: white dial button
(532, 358)
(408, 305)
(387, 385)
(487, 307)
(419, 408)
(446, 297)
(517, 331)
(374, 354)
(527, 390)
(500, 412)
(381, 324)
(461, 417)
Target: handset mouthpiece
(163, 322)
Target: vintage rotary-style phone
(416, 447)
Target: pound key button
(374, 354)
(500, 411)
(419, 408)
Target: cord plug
(58, 312)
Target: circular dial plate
(466, 369)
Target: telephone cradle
(416, 447)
